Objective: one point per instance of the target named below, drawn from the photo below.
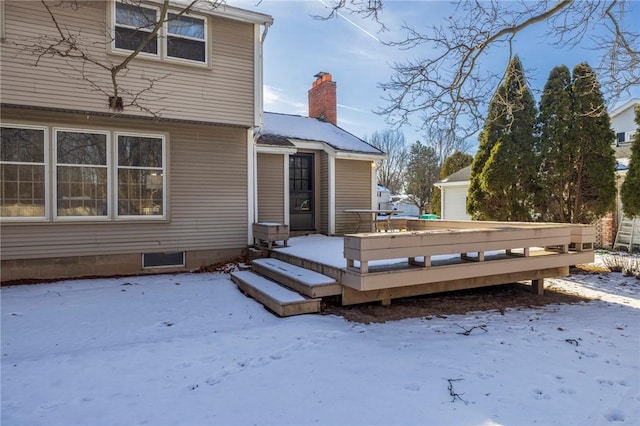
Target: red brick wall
(606, 229)
(322, 99)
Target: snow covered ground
(190, 349)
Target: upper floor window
(186, 38)
(22, 172)
(133, 25)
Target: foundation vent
(156, 260)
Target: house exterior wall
(624, 121)
(408, 208)
(454, 202)
(271, 188)
(353, 191)
(206, 204)
(222, 92)
(383, 198)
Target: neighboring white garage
(454, 195)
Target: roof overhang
(222, 10)
(346, 155)
(270, 149)
(458, 184)
(624, 107)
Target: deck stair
(309, 283)
(284, 288)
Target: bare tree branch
(453, 84)
(79, 53)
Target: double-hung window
(23, 171)
(81, 173)
(186, 38)
(133, 25)
(184, 35)
(140, 175)
(86, 175)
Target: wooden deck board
(390, 278)
(351, 296)
(305, 281)
(278, 299)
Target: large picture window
(140, 175)
(81, 174)
(22, 172)
(133, 24)
(186, 38)
(85, 175)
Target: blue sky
(299, 46)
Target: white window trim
(47, 177)
(114, 179)
(162, 39)
(2, 20)
(165, 41)
(125, 52)
(54, 174)
(629, 136)
(50, 178)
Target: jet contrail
(351, 22)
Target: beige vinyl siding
(353, 191)
(206, 200)
(324, 193)
(271, 188)
(221, 93)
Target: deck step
(305, 281)
(279, 299)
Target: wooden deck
(438, 256)
(434, 256)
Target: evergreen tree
(456, 161)
(557, 149)
(630, 191)
(503, 170)
(422, 173)
(593, 189)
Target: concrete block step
(305, 281)
(281, 300)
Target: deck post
(538, 285)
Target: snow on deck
(302, 275)
(270, 288)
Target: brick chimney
(322, 98)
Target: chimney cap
(321, 74)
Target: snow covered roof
(461, 175)
(312, 129)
